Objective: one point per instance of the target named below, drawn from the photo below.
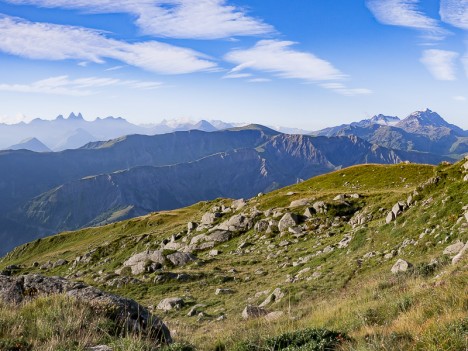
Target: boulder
(275, 296)
(344, 242)
(253, 312)
(180, 258)
(238, 204)
(453, 249)
(170, 303)
(309, 212)
(390, 217)
(191, 226)
(340, 197)
(261, 226)
(219, 236)
(320, 207)
(237, 223)
(195, 310)
(460, 254)
(133, 317)
(401, 266)
(140, 261)
(288, 220)
(214, 253)
(221, 291)
(398, 208)
(209, 218)
(299, 203)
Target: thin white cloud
(196, 19)
(237, 75)
(459, 98)
(405, 13)
(60, 42)
(343, 90)
(455, 12)
(440, 63)
(259, 80)
(281, 60)
(63, 85)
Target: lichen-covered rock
(140, 261)
(127, 313)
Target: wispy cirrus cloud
(280, 59)
(63, 85)
(455, 13)
(195, 19)
(47, 41)
(440, 63)
(405, 13)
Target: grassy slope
(351, 294)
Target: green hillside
(332, 268)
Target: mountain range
(424, 131)
(73, 132)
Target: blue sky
(301, 63)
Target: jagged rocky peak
(384, 120)
(72, 116)
(425, 118)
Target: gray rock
(209, 218)
(339, 197)
(237, 223)
(390, 217)
(60, 262)
(140, 261)
(275, 296)
(238, 204)
(181, 258)
(401, 266)
(261, 226)
(127, 313)
(299, 203)
(253, 312)
(219, 236)
(398, 208)
(195, 310)
(170, 303)
(344, 242)
(454, 249)
(273, 316)
(214, 253)
(309, 212)
(320, 207)
(288, 220)
(460, 255)
(191, 226)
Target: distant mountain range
(424, 131)
(46, 192)
(73, 132)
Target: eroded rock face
(126, 312)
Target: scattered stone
(275, 296)
(401, 266)
(460, 255)
(181, 258)
(253, 312)
(261, 226)
(284, 243)
(237, 223)
(320, 207)
(340, 197)
(170, 303)
(219, 236)
(210, 217)
(214, 253)
(390, 217)
(238, 204)
(221, 291)
(309, 212)
(288, 220)
(345, 242)
(453, 249)
(195, 310)
(140, 261)
(299, 203)
(191, 226)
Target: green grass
(342, 291)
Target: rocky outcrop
(127, 313)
